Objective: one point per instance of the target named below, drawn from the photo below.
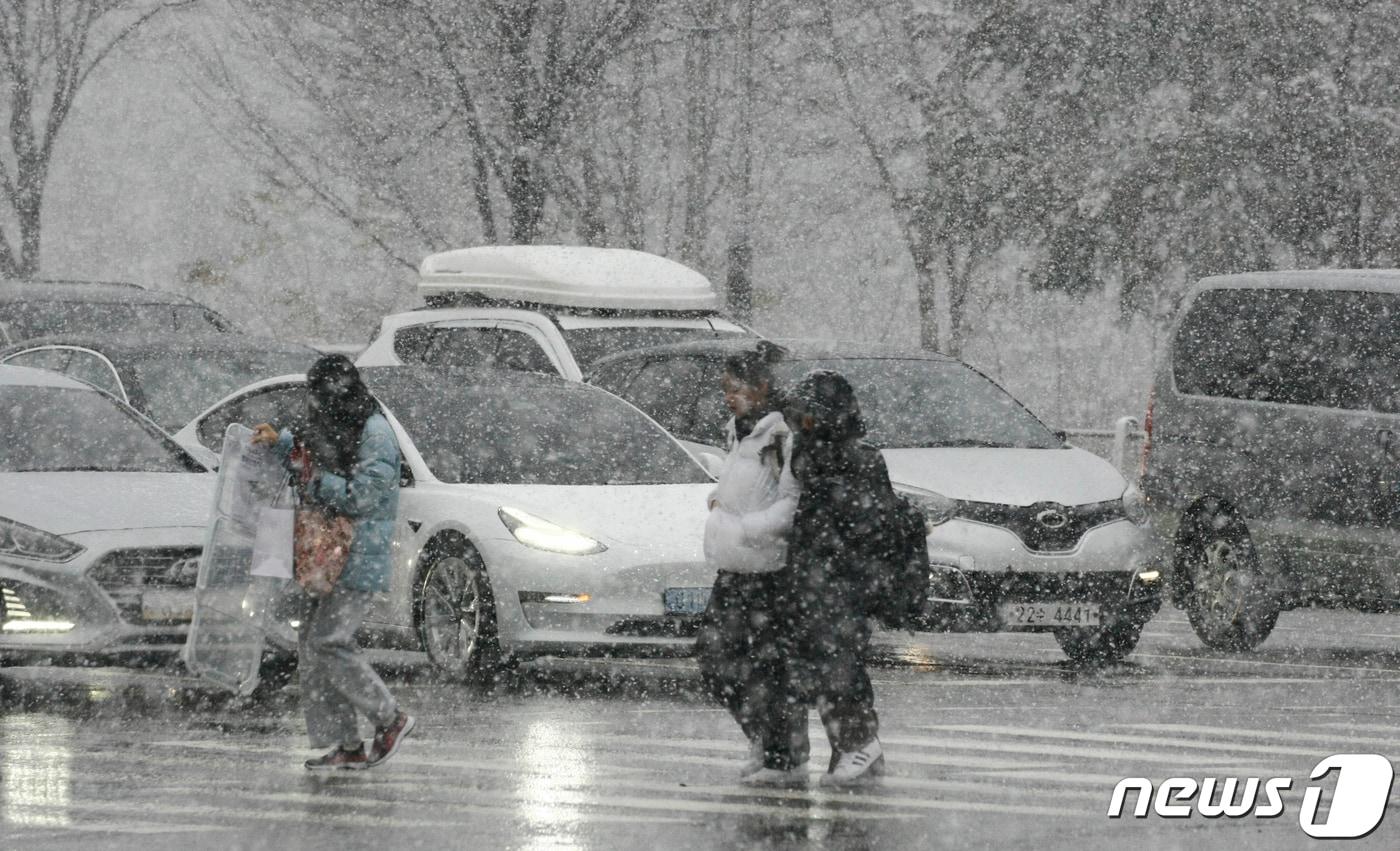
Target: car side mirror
(712, 463)
(405, 476)
(204, 455)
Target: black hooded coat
(845, 500)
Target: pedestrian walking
(750, 516)
(345, 462)
(845, 507)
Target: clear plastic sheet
(236, 613)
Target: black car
(30, 309)
(168, 377)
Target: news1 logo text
(1357, 806)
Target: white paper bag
(272, 547)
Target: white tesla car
(101, 522)
(538, 516)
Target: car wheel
(1100, 645)
(1229, 602)
(456, 614)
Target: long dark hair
(828, 398)
(755, 366)
(337, 406)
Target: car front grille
(1012, 587)
(1045, 527)
(126, 574)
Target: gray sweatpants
(336, 681)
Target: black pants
(740, 651)
(767, 667)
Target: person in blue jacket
(345, 459)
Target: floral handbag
(321, 539)
(321, 547)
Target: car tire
(455, 613)
(1100, 645)
(1229, 602)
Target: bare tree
(48, 52)
(927, 122)
(411, 102)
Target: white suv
(547, 308)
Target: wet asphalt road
(992, 742)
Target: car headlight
(937, 508)
(1134, 505)
(25, 541)
(540, 534)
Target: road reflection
(35, 770)
(553, 769)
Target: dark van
(1270, 468)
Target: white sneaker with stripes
(859, 766)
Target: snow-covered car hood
(67, 503)
(671, 517)
(1008, 476)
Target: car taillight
(1147, 439)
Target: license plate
(685, 601)
(1051, 614)
(167, 606)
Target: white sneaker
(857, 766)
(777, 778)
(755, 760)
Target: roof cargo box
(569, 276)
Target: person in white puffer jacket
(750, 516)
(752, 506)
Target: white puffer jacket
(754, 501)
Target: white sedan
(101, 522)
(537, 516)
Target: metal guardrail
(1120, 445)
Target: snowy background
(1060, 169)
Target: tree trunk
(699, 136)
(739, 282)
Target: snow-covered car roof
(570, 276)
(1369, 280)
(24, 376)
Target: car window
(671, 390)
(916, 403)
(51, 359)
(44, 318)
(591, 343)
(1333, 349)
(614, 377)
(473, 346)
(89, 367)
(282, 406)
(560, 434)
(174, 386)
(50, 429)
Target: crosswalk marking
(1109, 738)
(1326, 738)
(989, 769)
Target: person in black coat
(845, 504)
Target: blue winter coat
(369, 497)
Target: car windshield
(909, 403)
(51, 429)
(27, 320)
(175, 385)
(535, 435)
(590, 344)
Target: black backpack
(897, 575)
